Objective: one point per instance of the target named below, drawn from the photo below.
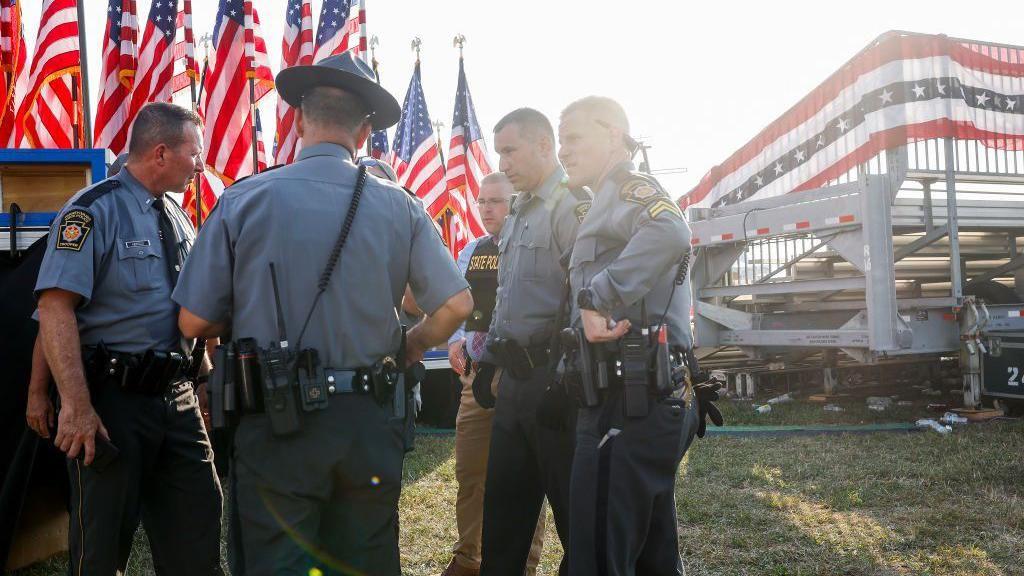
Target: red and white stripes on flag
(342, 28)
(467, 166)
(185, 50)
(296, 50)
(210, 187)
(51, 113)
(13, 80)
(119, 62)
(239, 53)
(156, 56)
(902, 88)
(416, 158)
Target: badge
(581, 211)
(75, 226)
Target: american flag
(296, 50)
(261, 150)
(227, 108)
(13, 83)
(379, 145)
(467, 166)
(902, 88)
(50, 114)
(119, 64)
(156, 56)
(184, 50)
(211, 188)
(417, 160)
(342, 28)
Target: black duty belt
(151, 372)
(358, 381)
(520, 361)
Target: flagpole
(374, 42)
(83, 54)
(252, 115)
(205, 41)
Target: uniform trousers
(324, 498)
(472, 445)
(163, 474)
(623, 489)
(527, 462)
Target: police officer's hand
(599, 328)
(706, 394)
(39, 413)
(482, 385)
(77, 427)
(456, 357)
(204, 405)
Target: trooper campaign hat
(347, 73)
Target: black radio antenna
(282, 336)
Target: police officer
(322, 497)
(478, 260)
(624, 264)
(128, 420)
(526, 461)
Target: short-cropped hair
(602, 109)
(496, 178)
(532, 124)
(334, 108)
(160, 123)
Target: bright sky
(698, 80)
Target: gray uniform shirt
(628, 249)
(291, 216)
(106, 248)
(539, 231)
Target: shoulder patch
(74, 228)
(86, 200)
(650, 195)
(581, 210)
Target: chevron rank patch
(581, 210)
(663, 205)
(74, 228)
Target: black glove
(706, 393)
(553, 410)
(482, 385)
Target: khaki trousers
(472, 443)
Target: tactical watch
(585, 299)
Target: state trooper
(128, 418)
(624, 273)
(478, 260)
(307, 263)
(527, 462)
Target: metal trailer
(913, 256)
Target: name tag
(136, 243)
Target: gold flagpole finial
(374, 43)
(459, 42)
(416, 43)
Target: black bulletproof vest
(482, 275)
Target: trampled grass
(866, 504)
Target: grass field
(852, 504)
